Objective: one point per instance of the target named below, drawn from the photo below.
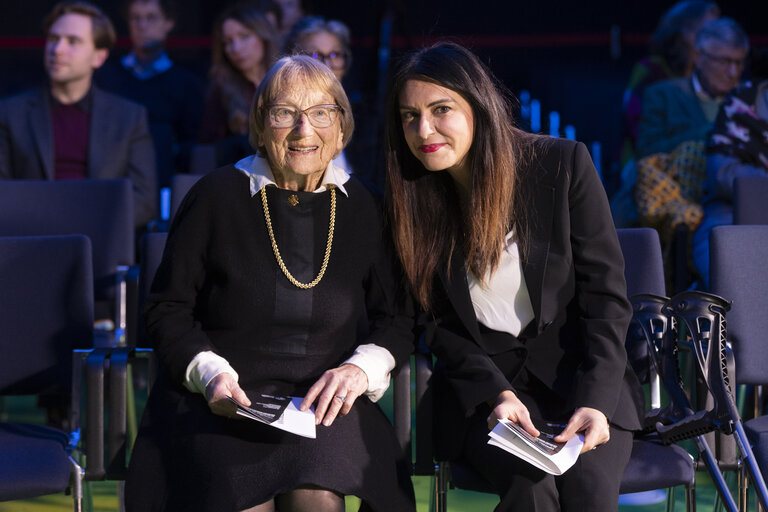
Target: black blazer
(119, 144)
(574, 272)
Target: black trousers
(590, 485)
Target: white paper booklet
(543, 452)
(280, 412)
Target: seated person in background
(328, 42)
(671, 56)
(230, 314)
(71, 129)
(677, 115)
(245, 45)
(683, 109)
(737, 146)
(291, 12)
(272, 11)
(172, 95)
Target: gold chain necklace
(280, 262)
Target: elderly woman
(509, 246)
(328, 42)
(323, 40)
(268, 268)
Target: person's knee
(310, 498)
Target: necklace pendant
(293, 200)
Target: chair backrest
(46, 310)
(152, 246)
(643, 263)
(738, 256)
(644, 273)
(749, 200)
(100, 209)
(180, 185)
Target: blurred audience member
(272, 11)
(244, 47)
(172, 95)
(684, 109)
(72, 129)
(292, 11)
(671, 56)
(323, 40)
(677, 115)
(737, 146)
(328, 42)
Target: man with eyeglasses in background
(684, 109)
(676, 117)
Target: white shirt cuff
(203, 368)
(377, 363)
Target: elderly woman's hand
(218, 391)
(335, 391)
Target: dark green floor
(105, 500)
(105, 493)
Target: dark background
(575, 57)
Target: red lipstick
(430, 148)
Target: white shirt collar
(260, 175)
(698, 89)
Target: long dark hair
(427, 221)
(236, 90)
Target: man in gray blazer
(71, 129)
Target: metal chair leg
(671, 499)
(76, 484)
(690, 498)
(121, 496)
(441, 487)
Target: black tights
(303, 499)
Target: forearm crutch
(677, 421)
(704, 317)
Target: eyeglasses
(286, 116)
(334, 60)
(723, 61)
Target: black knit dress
(219, 288)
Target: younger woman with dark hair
(510, 250)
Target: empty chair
(651, 465)
(152, 245)
(99, 209)
(46, 311)
(738, 257)
(180, 185)
(749, 200)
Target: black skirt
(187, 458)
